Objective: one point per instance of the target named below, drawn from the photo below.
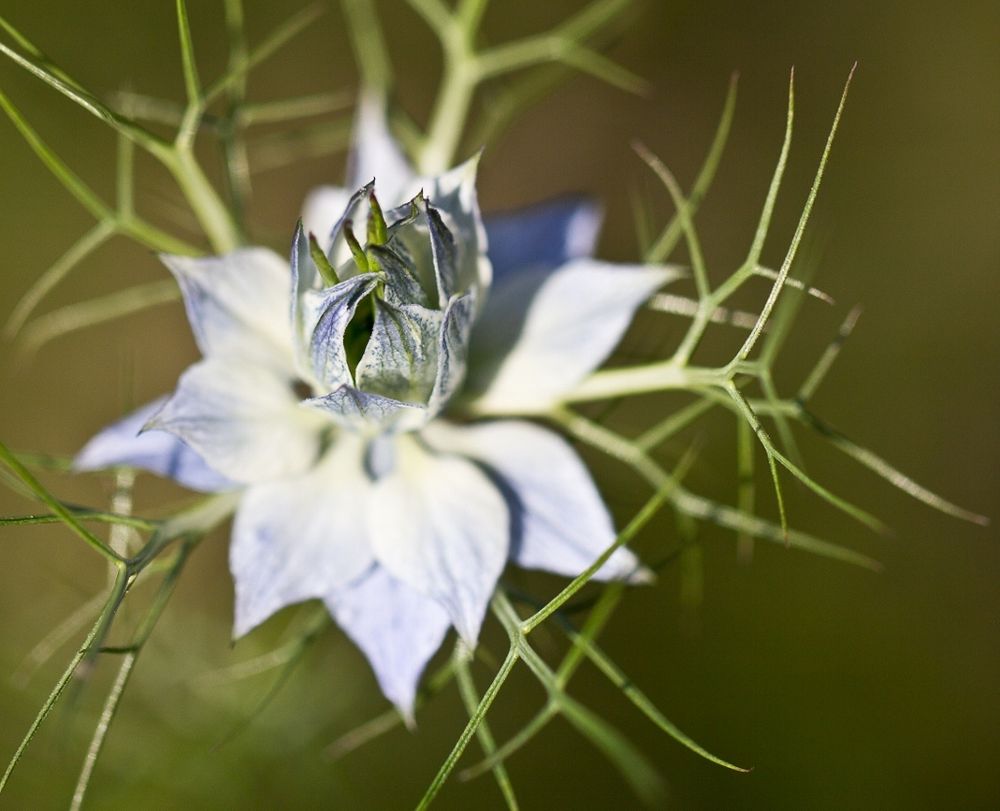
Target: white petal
(453, 350)
(325, 317)
(121, 443)
(376, 154)
(558, 521)
(540, 332)
(302, 537)
(322, 209)
(546, 235)
(238, 303)
(454, 193)
(444, 253)
(438, 524)
(369, 413)
(320, 315)
(244, 420)
(403, 284)
(401, 358)
(396, 627)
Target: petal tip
(407, 712)
(643, 576)
(245, 619)
(468, 628)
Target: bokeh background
(844, 689)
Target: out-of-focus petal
(540, 332)
(440, 525)
(558, 521)
(238, 304)
(546, 235)
(321, 210)
(302, 537)
(397, 628)
(121, 443)
(244, 420)
(375, 154)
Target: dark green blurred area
(844, 689)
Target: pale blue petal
(238, 304)
(368, 413)
(302, 537)
(401, 358)
(541, 332)
(325, 316)
(309, 301)
(453, 349)
(402, 283)
(121, 443)
(375, 154)
(244, 420)
(411, 242)
(546, 235)
(444, 253)
(440, 525)
(396, 627)
(305, 277)
(558, 521)
(454, 195)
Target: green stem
(642, 518)
(195, 521)
(130, 656)
(101, 730)
(96, 632)
(80, 249)
(82, 515)
(450, 111)
(73, 317)
(151, 236)
(65, 515)
(212, 213)
(370, 52)
(523, 736)
(470, 729)
(470, 12)
(659, 376)
(596, 620)
(467, 689)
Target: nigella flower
(335, 398)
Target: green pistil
(378, 231)
(360, 257)
(322, 263)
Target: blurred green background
(844, 689)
